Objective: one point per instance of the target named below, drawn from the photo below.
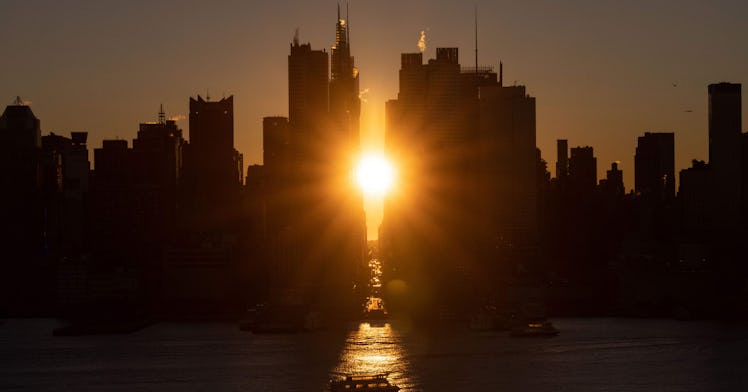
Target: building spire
(161, 115)
(347, 25)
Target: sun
(375, 174)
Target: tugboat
(363, 382)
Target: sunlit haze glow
(609, 82)
(375, 175)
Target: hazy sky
(603, 72)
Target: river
(588, 355)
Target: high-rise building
(613, 181)
(315, 220)
(467, 200)
(693, 195)
(507, 128)
(583, 168)
(725, 150)
(278, 172)
(157, 164)
(158, 152)
(21, 219)
(654, 166)
(66, 172)
(562, 159)
(20, 212)
(213, 168)
(113, 199)
(308, 106)
(345, 104)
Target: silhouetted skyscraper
(614, 181)
(114, 200)
(21, 219)
(655, 166)
(278, 172)
(429, 128)
(275, 142)
(468, 190)
(725, 147)
(20, 140)
(316, 225)
(507, 127)
(345, 105)
(213, 168)
(158, 150)
(562, 159)
(158, 167)
(66, 171)
(583, 168)
(693, 195)
(308, 105)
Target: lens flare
(375, 175)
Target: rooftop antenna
(161, 115)
(207, 94)
(18, 100)
(296, 37)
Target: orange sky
(603, 71)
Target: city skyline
(69, 71)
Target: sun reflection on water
(375, 348)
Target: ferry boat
(363, 382)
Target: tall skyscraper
(467, 200)
(614, 181)
(158, 152)
(725, 150)
(113, 200)
(315, 216)
(21, 220)
(158, 167)
(693, 195)
(308, 106)
(562, 159)
(20, 212)
(507, 126)
(278, 173)
(583, 168)
(654, 164)
(345, 105)
(66, 171)
(213, 168)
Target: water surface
(588, 355)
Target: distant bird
(675, 84)
(688, 111)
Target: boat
(375, 310)
(535, 328)
(363, 382)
